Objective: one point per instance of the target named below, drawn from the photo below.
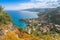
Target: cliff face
(7, 30)
(6, 27)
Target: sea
(17, 15)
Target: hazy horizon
(27, 4)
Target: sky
(27, 4)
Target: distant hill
(38, 9)
(51, 14)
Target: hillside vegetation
(4, 17)
(52, 16)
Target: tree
(4, 17)
(1, 8)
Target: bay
(17, 15)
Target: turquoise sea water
(16, 15)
